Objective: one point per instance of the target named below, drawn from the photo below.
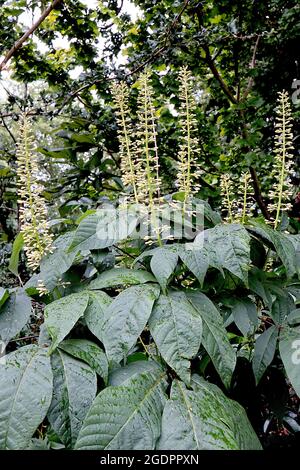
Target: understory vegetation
(149, 226)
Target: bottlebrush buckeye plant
(147, 347)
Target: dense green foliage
(115, 343)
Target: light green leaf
(176, 327)
(245, 315)
(126, 318)
(282, 244)
(122, 374)
(289, 347)
(25, 395)
(264, 351)
(197, 262)
(74, 389)
(88, 352)
(4, 295)
(228, 247)
(15, 254)
(214, 337)
(94, 314)
(103, 229)
(163, 264)
(62, 314)
(121, 277)
(204, 419)
(126, 417)
(14, 315)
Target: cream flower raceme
(33, 212)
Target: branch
(217, 75)
(28, 33)
(157, 51)
(251, 66)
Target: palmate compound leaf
(14, 314)
(203, 418)
(214, 336)
(62, 314)
(25, 395)
(125, 319)
(74, 389)
(176, 327)
(227, 247)
(126, 417)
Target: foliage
(124, 339)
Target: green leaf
(204, 419)
(4, 295)
(281, 307)
(126, 318)
(103, 229)
(15, 255)
(282, 244)
(121, 277)
(74, 389)
(54, 265)
(214, 337)
(126, 417)
(14, 315)
(245, 315)
(94, 314)
(122, 374)
(176, 327)
(264, 351)
(228, 247)
(88, 352)
(258, 284)
(197, 263)
(62, 314)
(289, 347)
(25, 395)
(163, 263)
(293, 318)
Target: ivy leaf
(120, 277)
(204, 419)
(264, 351)
(14, 314)
(176, 327)
(214, 337)
(125, 417)
(88, 352)
(125, 319)
(25, 395)
(62, 314)
(74, 389)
